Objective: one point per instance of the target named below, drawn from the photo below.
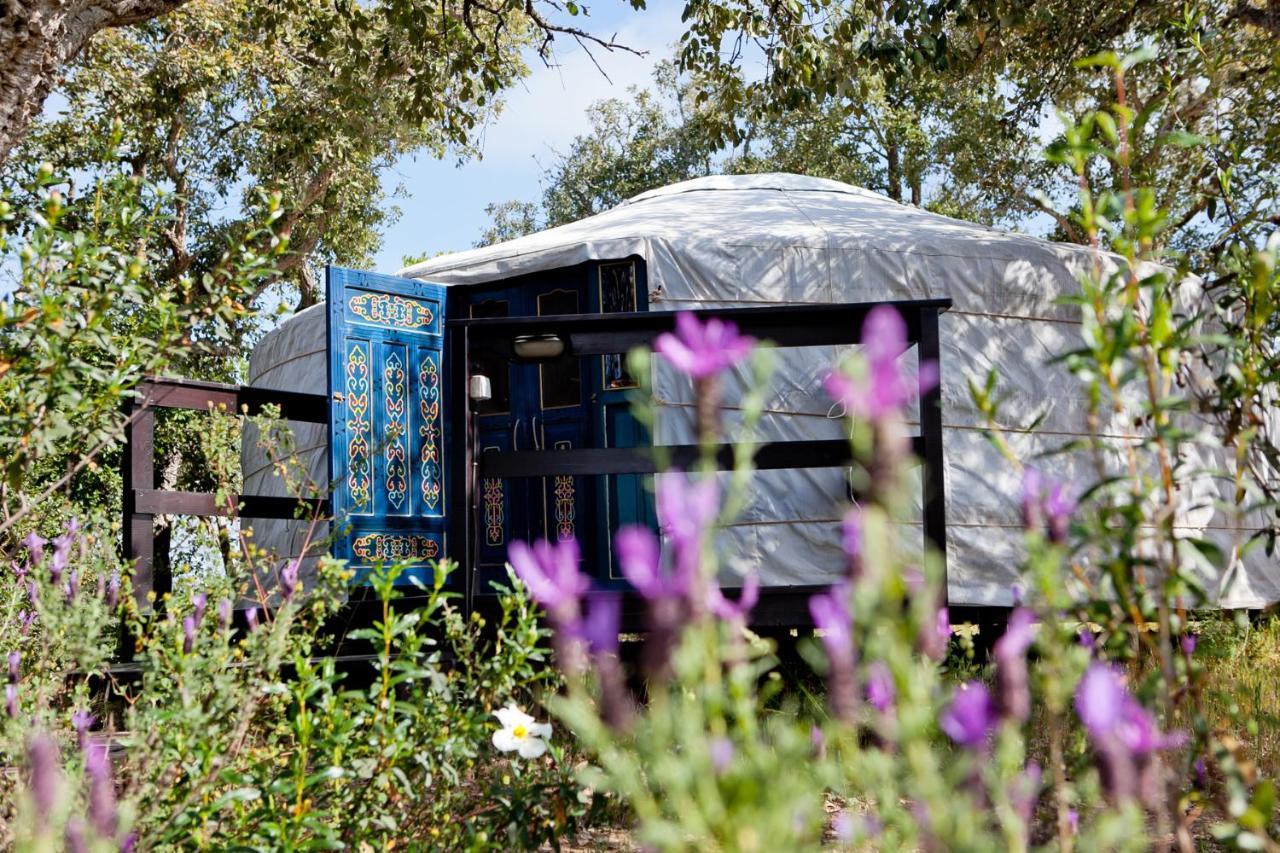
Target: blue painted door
(387, 442)
(541, 406)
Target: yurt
(758, 241)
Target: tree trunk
(37, 40)
(894, 168)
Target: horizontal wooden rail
(157, 501)
(784, 326)
(826, 453)
(194, 394)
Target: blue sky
(443, 209)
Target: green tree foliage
(221, 99)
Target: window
(617, 294)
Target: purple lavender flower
(33, 593)
(601, 625)
(550, 572)
(200, 601)
(251, 618)
(1025, 792)
(61, 556)
(82, 722)
(19, 570)
(113, 591)
(1086, 638)
(830, 612)
(970, 717)
(35, 546)
(102, 797)
(188, 634)
(1047, 505)
(1073, 821)
(639, 560)
(735, 611)
(935, 639)
(74, 836)
(721, 750)
(11, 701)
(817, 742)
(850, 828)
(700, 350)
(45, 767)
(880, 688)
(1107, 709)
(1124, 733)
(686, 509)
(224, 613)
(25, 621)
(129, 843)
(288, 580)
(883, 389)
(1013, 695)
(1059, 506)
(1189, 644)
(15, 666)
(71, 588)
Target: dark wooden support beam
(935, 487)
(193, 394)
(246, 506)
(826, 453)
(138, 471)
(785, 326)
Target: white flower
(520, 733)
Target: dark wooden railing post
(138, 470)
(935, 489)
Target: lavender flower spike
(15, 666)
(200, 601)
(700, 350)
(970, 717)
(288, 580)
(113, 591)
(188, 634)
(830, 612)
(880, 688)
(735, 611)
(45, 765)
(550, 572)
(224, 613)
(1013, 695)
(11, 701)
(102, 798)
(251, 618)
(82, 721)
(1123, 733)
(35, 546)
(883, 389)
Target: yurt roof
(737, 212)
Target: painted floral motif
(563, 491)
(429, 430)
(393, 396)
(387, 309)
(493, 514)
(394, 546)
(358, 427)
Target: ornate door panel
(387, 442)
